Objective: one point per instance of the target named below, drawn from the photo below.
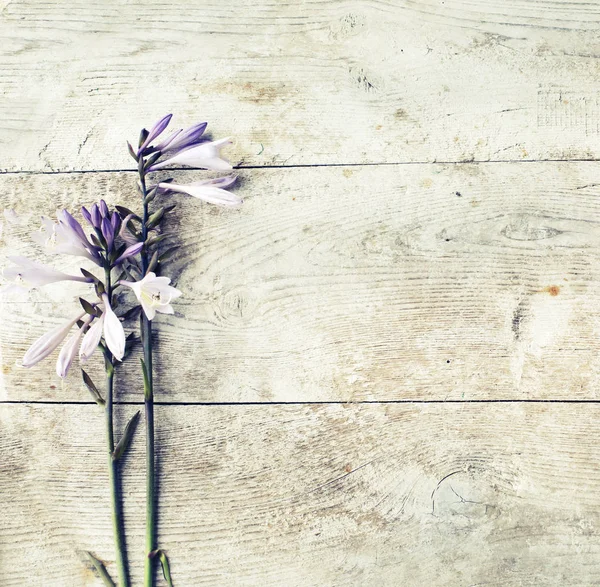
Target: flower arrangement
(121, 249)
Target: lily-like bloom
(46, 344)
(129, 252)
(69, 351)
(182, 139)
(65, 236)
(114, 335)
(155, 131)
(27, 274)
(91, 340)
(205, 155)
(210, 190)
(154, 293)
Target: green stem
(146, 332)
(113, 472)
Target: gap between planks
(316, 165)
(313, 403)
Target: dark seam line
(306, 165)
(308, 403)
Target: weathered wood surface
(429, 282)
(421, 281)
(302, 83)
(303, 496)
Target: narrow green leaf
(117, 253)
(153, 240)
(124, 212)
(164, 563)
(147, 386)
(143, 136)
(126, 438)
(87, 307)
(99, 287)
(101, 570)
(155, 218)
(152, 159)
(89, 275)
(92, 388)
(150, 196)
(153, 262)
(131, 151)
(167, 254)
(96, 241)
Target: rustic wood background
(383, 370)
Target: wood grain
(301, 83)
(462, 494)
(426, 282)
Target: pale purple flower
(182, 139)
(91, 340)
(114, 335)
(129, 252)
(65, 236)
(27, 274)
(124, 233)
(155, 131)
(209, 190)
(44, 345)
(69, 351)
(205, 155)
(154, 293)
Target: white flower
(154, 293)
(209, 190)
(69, 350)
(204, 155)
(60, 238)
(114, 335)
(28, 274)
(91, 340)
(44, 345)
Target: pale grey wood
(366, 283)
(301, 83)
(302, 496)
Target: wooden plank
(301, 83)
(426, 282)
(461, 494)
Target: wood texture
(301, 83)
(450, 255)
(428, 282)
(301, 496)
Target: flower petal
(44, 345)
(91, 340)
(114, 335)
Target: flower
(44, 345)
(154, 293)
(65, 236)
(114, 335)
(205, 155)
(91, 340)
(129, 252)
(28, 274)
(210, 190)
(182, 139)
(155, 131)
(69, 350)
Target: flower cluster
(119, 240)
(103, 247)
(187, 147)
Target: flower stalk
(113, 465)
(146, 335)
